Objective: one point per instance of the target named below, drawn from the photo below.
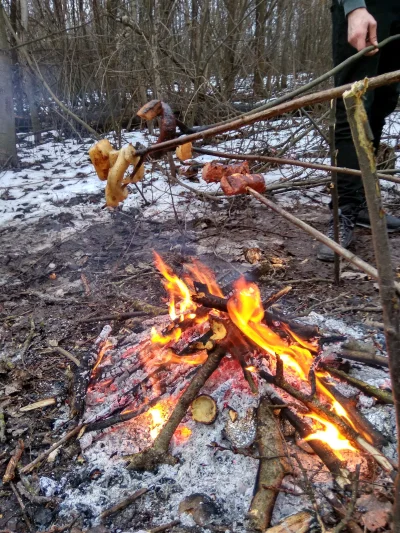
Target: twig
(123, 504)
(12, 464)
(350, 508)
(367, 358)
(268, 302)
(61, 351)
(2, 426)
(116, 316)
(61, 529)
(349, 256)
(382, 395)
(29, 467)
(28, 339)
(164, 527)
(21, 504)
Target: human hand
(362, 30)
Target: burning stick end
(149, 459)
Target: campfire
(212, 333)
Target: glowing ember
(156, 338)
(182, 434)
(158, 415)
(330, 435)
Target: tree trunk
(8, 149)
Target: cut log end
(204, 409)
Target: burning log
(320, 409)
(158, 453)
(363, 425)
(268, 302)
(271, 471)
(381, 395)
(303, 331)
(204, 409)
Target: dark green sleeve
(351, 5)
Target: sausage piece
(213, 172)
(237, 183)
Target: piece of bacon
(237, 183)
(213, 172)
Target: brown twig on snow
(361, 134)
(123, 504)
(381, 395)
(157, 453)
(29, 467)
(13, 462)
(343, 252)
(270, 472)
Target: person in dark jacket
(357, 24)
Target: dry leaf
(253, 255)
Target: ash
(227, 479)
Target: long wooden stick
(361, 134)
(293, 162)
(123, 504)
(309, 99)
(349, 256)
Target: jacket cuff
(351, 5)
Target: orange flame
(204, 275)
(176, 288)
(158, 418)
(330, 435)
(246, 312)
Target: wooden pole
(362, 138)
(349, 256)
(309, 99)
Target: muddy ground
(56, 273)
